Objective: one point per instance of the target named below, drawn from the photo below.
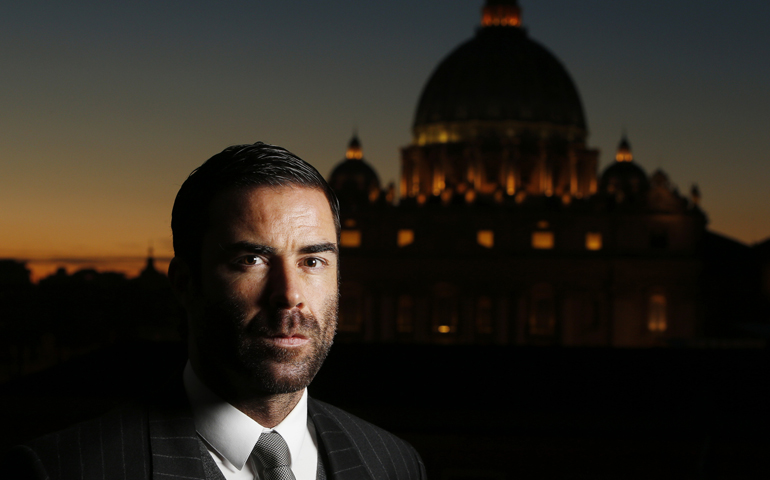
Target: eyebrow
(319, 248)
(259, 249)
(251, 247)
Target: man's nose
(285, 286)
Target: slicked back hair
(236, 167)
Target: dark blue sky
(104, 108)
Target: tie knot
(273, 453)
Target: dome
(354, 175)
(354, 179)
(624, 176)
(500, 75)
(624, 179)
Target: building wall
(453, 285)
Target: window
(659, 239)
(486, 238)
(350, 238)
(587, 312)
(593, 241)
(445, 314)
(445, 308)
(405, 315)
(351, 308)
(541, 320)
(542, 240)
(656, 313)
(350, 314)
(405, 237)
(484, 315)
(542, 314)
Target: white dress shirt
(230, 435)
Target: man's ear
(181, 278)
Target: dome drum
(447, 132)
(537, 167)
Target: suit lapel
(174, 444)
(341, 457)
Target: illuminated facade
(504, 232)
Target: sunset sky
(106, 107)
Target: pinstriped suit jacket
(160, 443)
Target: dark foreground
(484, 412)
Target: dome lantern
(623, 153)
(354, 151)
(501, 13)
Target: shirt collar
(231, 432)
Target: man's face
(265, 309)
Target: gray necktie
(273, 453)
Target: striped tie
(273, 453)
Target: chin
(241, 345)
(276, 370)
(276, 378)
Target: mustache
(283, 322)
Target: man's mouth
(288, 341)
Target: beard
(241, 345)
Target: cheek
(326, 301)
(322, 289)
(246, 290)
(225, 283)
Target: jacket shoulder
(384, 454)
(115, 442)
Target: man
(256, 270)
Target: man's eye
(250, 260)
(312, 262)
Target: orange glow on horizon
(131, 268)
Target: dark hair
(239, 166)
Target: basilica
(502, 230)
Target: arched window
(542, 313)
(445, 308)
(484, 315)
(351, 308)
(405, 314)
(656, 313)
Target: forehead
(268, 209)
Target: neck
(267, 409)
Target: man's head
(235, 167)
(256, 268)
